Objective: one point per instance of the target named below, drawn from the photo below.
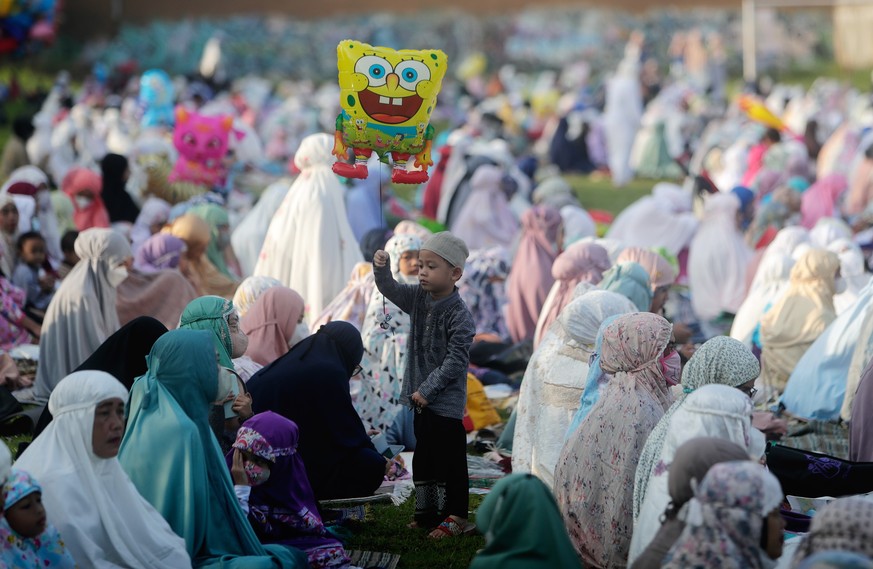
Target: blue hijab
(174, 461)
(596, 376)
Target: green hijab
(216, 216)
(210, 313)
(174, 461)
(523, 528)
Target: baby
(26, 539)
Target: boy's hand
(381, 258)
(418, 400)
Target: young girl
(385, 346)
(25, 537)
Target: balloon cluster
(25, 25)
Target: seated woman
(595, 472)
(89, 499)
(218, 317)
(168, 434)
(310, 386)
(844, 524)
(250, 290)
(219, 250)
(271, 484)
(156, 286)
(691, 463)
(200, 271)
(273, 326)
(122, 355)
(739, 525)
(82, 314)
(523, 528)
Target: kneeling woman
(174, 460)
(267, 468)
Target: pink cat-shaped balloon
(202, 142)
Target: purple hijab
(860, 434)
(530, 277)
(283, 509)
(159, 252)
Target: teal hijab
(216, 216)
(174, 461)
(210, 313)
(630, 280)
(523, 528)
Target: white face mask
(44, 201)
(226, 384)
(300, 333)
(82, 202)
(840, 285)
(117, 275)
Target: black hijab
(122, 355)
(118, 202)
(310, 386)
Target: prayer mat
(823, 437)
(352, 514)
(370, 559)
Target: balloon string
(385, 317)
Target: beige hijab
(799, 317)
(202, 274)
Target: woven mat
(352, 514)
(372, 559)
(819, 436)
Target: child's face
(409, 263)
(27, 516)
(108, 428)
(71, 258)
(257, 469)
(435, 274)
(33, 252)
(9, 218)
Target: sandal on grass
(450, 527)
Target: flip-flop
(451, 528)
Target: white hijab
(713, 410)
(48, 221)
(309, 245)
(851, 272)
(770, 282)
(248, 237)
(718, 259)
(663, 219)
(554, 381)
(82, 313)
(104, 520)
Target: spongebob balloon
(387, 97)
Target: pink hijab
(76, 181)
(580, 263)
(531, 276)
(270, 323)
(820, 200)
(661, 273)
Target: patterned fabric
(594, 477)
(250, 290)
(716, 411)
(12, 301)
(483, 288)
(252, 441)
(44, 550)
(845, 524)
(211, 313)
(385, 351)
(351, 304)
(726, 517)
(721, 360)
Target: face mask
(671, 368)
(117, 275)
(44, 200)
(239, 343)
(83, 202)
(300, 333)
(840, 285)
(226, 383)
(257, 474)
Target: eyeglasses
(358, 369)
(750, 392)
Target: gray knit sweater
(440, 336)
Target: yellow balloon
(387, 97)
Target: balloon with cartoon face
(387, 97)
(202, 142)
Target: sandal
(450, 527)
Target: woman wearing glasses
(310, 386)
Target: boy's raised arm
(401, 295)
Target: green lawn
(387, 532)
